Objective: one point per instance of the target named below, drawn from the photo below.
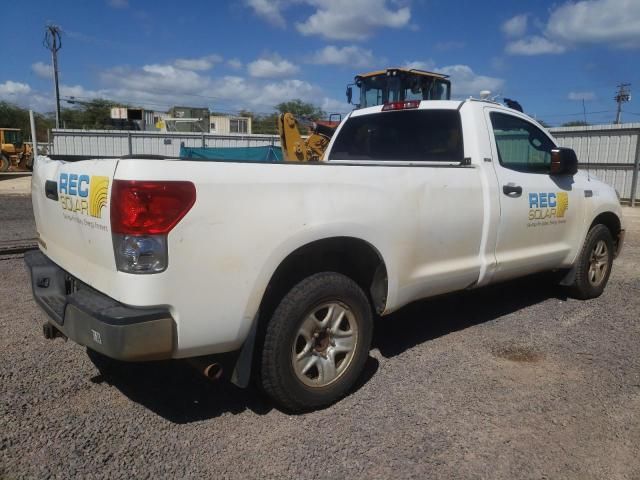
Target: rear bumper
(94, 320)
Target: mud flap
(242, 371)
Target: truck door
(540, 214)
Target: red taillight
(149, 207)
(401, 105)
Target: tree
(543, 123)
(92, 114)
(576, 123)
(301, 109)
(13, 116)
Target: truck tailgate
(71, 209)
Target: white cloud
(352, 20)
(202, 63)
(22, 94)
(331, 105)
(581, 96)
(534, 45)
(11, 89)
(338, 19)
(274, 66)
(160, 86)
(515, 26)
(465, 82)
(427, 65)
(614, 22)
(78, 91)
(118, 3)
(234, 63)
(351, 55)
(269, 10)
(41, 69)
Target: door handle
(512, 190)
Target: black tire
(4, 163)
(587, 285)
(278, 377)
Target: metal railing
(115, 143)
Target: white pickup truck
(280, 267)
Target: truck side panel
(222, 254)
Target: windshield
(380, 89)
(14, 137)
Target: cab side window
(521, 145)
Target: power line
(553, 115)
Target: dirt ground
(513, 381)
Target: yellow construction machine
(14, 152)
(296, 148)
(399, 85)
(376, 88)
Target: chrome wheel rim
(324, 346)
(598, 263)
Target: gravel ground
(16, 215)
(514, 381)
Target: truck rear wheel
(593, 264)
(317, 342)
(4, 163)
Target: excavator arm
(297, 149)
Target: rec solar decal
(83, 194)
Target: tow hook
(50, 332)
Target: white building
(224, 125)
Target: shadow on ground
(426, 320)
(181, 394)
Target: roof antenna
(584, 114)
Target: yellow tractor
(399, 85)
(296, 148)
(376, 88)
(14, 152)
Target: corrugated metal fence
(115, 143)
(611, 152)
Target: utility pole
(622, 96)
(53, 41)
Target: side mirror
(563, 161)
(349, 93)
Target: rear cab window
(404, 136)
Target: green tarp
(268, 154)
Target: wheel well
(352, 257)
(612, 222)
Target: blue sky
(254, 54)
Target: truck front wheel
(317, 342)
(593, 264)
